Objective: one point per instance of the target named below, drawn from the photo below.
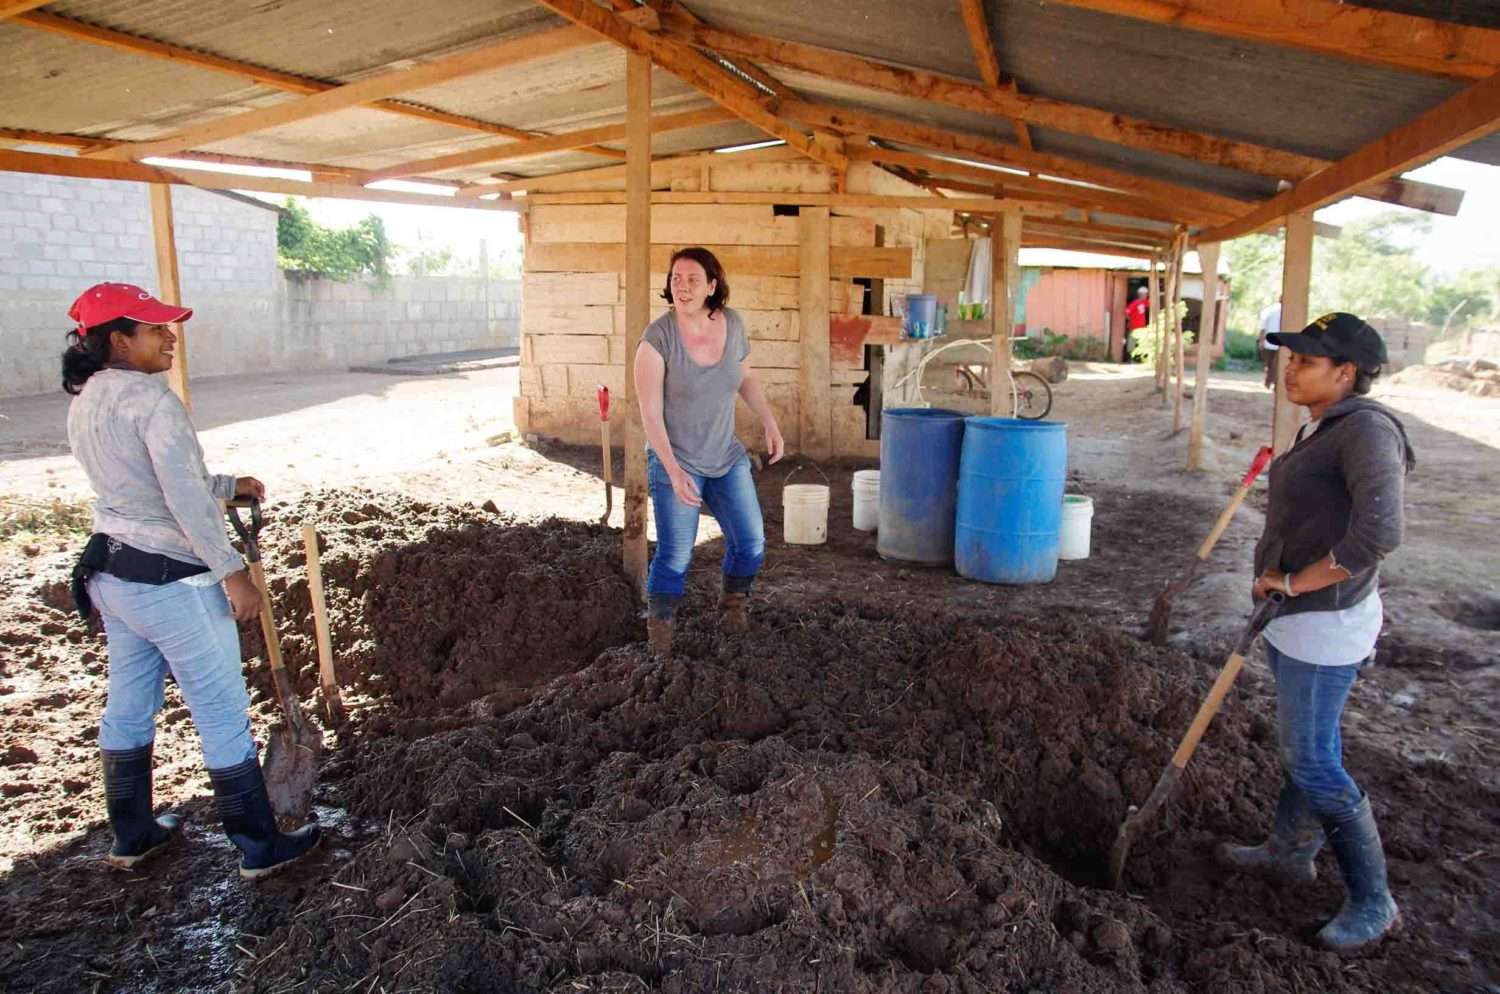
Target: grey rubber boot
(127, 797)
(1369, 912)
(1287, 855)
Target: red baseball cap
(104, 302)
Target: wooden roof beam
(1328, 27)
(287, 82)
(662, 170)
(511, 52)
(1077, 245)
(1005, 154)
(540, 146)
(1040, 111)
(1457, 121)
(755, 72)
(14, 8)
(976, 22)
(79, 167)
(698, 71)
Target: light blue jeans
(189, 629)
(730, 499)
(1309, 709)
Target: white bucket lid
(804, 493)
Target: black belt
(103, 554)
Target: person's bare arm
(650, 375)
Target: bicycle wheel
(1033, 395)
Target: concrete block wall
(58, 236)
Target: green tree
(304, 245)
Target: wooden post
(1154, 289)
(816, 365)
(1208, 318)
(1179, 361)
(637, 300)
(169, 286)
(1005, 251)
(1296, 283)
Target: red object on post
(603, 393)
(1259, 463)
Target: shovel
(1161, 610)
(1138, 818)
(333, 702)
(609, 497)
(296, 745)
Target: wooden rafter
(745, 66)
(696, 70)
(835, 200)
(999, 153)
(540, 146)
(512, 51)
(1146, 236)
(1016, 185)
(976, 22)
(1462, 118)
(79, 167)
(1075, 245)
(666, 167)
(1328, 27)
(15, 8)
(286, 82)
(1044, 112)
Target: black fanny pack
(103, 554)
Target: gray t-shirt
(698, 401)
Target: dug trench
(859, 795)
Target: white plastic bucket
(1077, 523)
(805, 513)
(866, 486)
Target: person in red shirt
(1137, 316)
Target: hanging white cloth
(979, 282)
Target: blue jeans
(730, 499)
(190, 629)
(1309, 706)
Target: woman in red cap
(1333, 513)
(166, 582)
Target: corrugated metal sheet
(1475, 13)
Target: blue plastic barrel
(919, 453)
(1010, 498)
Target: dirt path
(902, 781)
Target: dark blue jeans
(730, 499)
(1309, 707)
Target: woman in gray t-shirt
(696, 363)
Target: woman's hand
(244, 599)
(683, 486)
(775, 445)
(1271, 579)
(249, 486)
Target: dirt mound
(1479, 380)
(845, 802)
(432, 607)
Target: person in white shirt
(164, 579)
(1270, 324)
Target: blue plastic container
(919, 453)
(921, 315)
(1010, 498)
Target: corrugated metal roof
(1475, 13)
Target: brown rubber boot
(659, 634)
(734, 613)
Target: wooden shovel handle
(326, 675)
(267, 621)
(609, 476)
(1208, 709)
(1262, 457)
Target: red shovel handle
(603, 393)
(1262, 458)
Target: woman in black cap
(1335, 512)
(166, 582)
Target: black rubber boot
(251, 825)
(127, 797)
(1287, 855)
(1369, 912)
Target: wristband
(1286, 584)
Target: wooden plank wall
(573, 306)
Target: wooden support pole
(1179, 361)
(1005, 251)
(169, 287)
(1154, 289)
(1208, 318)
(813, 230)
(1296, 284)
(637, 300)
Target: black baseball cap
(1337, 335)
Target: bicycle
(1031, 395)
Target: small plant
(1144, 348)
(1081, 348)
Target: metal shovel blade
(293, 752)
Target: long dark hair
(711, 269)
(88, 351)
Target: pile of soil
(1482, 379)
(843, 801)
(432, 607)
